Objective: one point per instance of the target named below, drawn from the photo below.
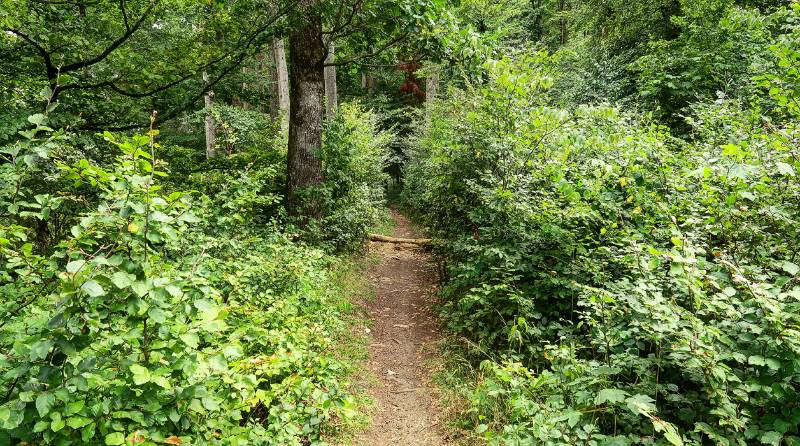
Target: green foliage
(111, 63)
(146, 324)
(783, 82)
(717, 53)
(241, 130)
(660, 56)
(354, 153)
(621, 286)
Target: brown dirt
(404, 336)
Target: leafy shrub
(634, 288)
(354, 151)
(148, 325)
(719, 51)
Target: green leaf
(771, 437)
(77, 422)
(57, 424)
(122, 280)
(673, 437)
(610, 396)
(785, 169)
(207, 308)
(73, 407)
(140, 374)
(157, 315)
(191, 339)
(140, 288)
(756, 360)
(640, 404)
(210, 403)
(10, 419)
(37, 119)
(790, 268)
(174, 290)
(115, 438)
(44, 402)
(75, 265)
(573, 417)
(773, 363)
(40, 350)
(93, 288)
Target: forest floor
(403, 346)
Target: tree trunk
(431, 84)
(387, 239)
(211, 126)
(304, 168)
(245, 87)
(279, 84)
(369, 83)
(331, 92)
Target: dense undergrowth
(146, 308)
(619, 284)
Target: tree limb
(387, 239)
(114, 45)
(124, 14)
(385, 47)
(52, 71)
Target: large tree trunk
(279, 83)
(211, 126)
(331, 92)
(304, 168)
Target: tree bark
(331, 92)
(387, 239)
(211, 126)
(369, 83)
(431, 84)
(304, 167)
(279, 83)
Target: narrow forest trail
(404, 336)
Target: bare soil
(404, 335)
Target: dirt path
(404, 335)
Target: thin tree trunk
(331, 92)
(245, 86)
(431, 84)
(279, 84)
(368, 83)
(304, 168)
(211, 126)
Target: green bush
(634, 288)
(354, 153)
(145, 324)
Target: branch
(114, 45)
(356, 7)
(386, 239)
(208, 86)
(52, 72)
(385, 47)
(124, 14)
